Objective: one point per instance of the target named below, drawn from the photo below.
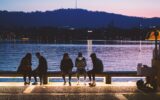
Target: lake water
(114, 57)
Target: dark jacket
(97, 65)
(66, 65)
(25, 66)
(42, 67)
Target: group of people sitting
(26, 70)
(66, 67)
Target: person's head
(65, 56)
(28, 56)
(38, 55)
(80, 54)
(93, 56)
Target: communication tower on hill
(76, 4)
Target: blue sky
(142, 8)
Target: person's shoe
(85, 82)
(35, 83)
(28, 83)
(89, 84)
(41, 83)
(69, 83)
(64, 83)
(25, 83)
(94, 84)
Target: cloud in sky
(144, 8)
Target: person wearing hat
(97, 68)
(66, 67)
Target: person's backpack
(80, 63)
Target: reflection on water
(115, 57)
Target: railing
(108, 75)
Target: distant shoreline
(98, 42)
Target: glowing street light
(89, 31)
(154, 36)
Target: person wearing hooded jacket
(66, 67)
(97, 68)
(25, 68)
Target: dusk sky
(142, 8)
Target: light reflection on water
(114, 57)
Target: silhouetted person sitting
(97, 68)
(80, 63)
(25, 68)
(66, 67)
(41, 70)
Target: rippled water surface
(114, 57)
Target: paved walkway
(56, 91)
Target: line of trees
(49, 34)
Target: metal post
(45, 79)
(108, 79)
(156, 43)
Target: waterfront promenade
(56, 91)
